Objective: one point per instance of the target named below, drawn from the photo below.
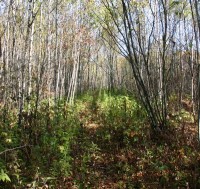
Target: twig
(12, 149)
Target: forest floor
(126, 156)
(101, 143)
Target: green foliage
(186, 116)
(180, 8)
(103, 135)
(123, 117)
(4, 177)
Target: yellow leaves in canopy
(139, 3)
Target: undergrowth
(102, 141)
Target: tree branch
(12, 149)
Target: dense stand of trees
(57, 48)
(158, 40)
(50, 50)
